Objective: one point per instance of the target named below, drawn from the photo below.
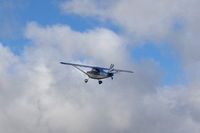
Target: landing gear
(112, 78)
(86, 80)
(100, 82)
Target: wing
(118, 70)
(79, 65)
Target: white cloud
(147, 19)
(141, 18)
(40, 95)
(100, 44)
(49, 97)
(87, 7)
(174, 20)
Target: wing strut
(80, 70)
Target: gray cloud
(49, 97)
(50, 100)
(78, 44)
(37, 94)
(175, 21)
(147, 19)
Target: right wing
(118, 70)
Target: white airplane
(97, 72)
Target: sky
(157, 39)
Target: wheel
(100, 82)
(86, 80)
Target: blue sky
(163, 55)
(47, 13)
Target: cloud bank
(37, 94)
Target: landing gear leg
(86, 80)
(112, 78)
(100, 82)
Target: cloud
(150, 19)
(40, 95)
(174, 21)
(87, 7)
(141, 18)
(100, 44)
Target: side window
(95, 70)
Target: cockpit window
(95, 70)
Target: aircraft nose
(110, 74)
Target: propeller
(111, 68)
(110, 71)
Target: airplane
(97, 72)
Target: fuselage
(97, 73)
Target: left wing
(79, 65)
